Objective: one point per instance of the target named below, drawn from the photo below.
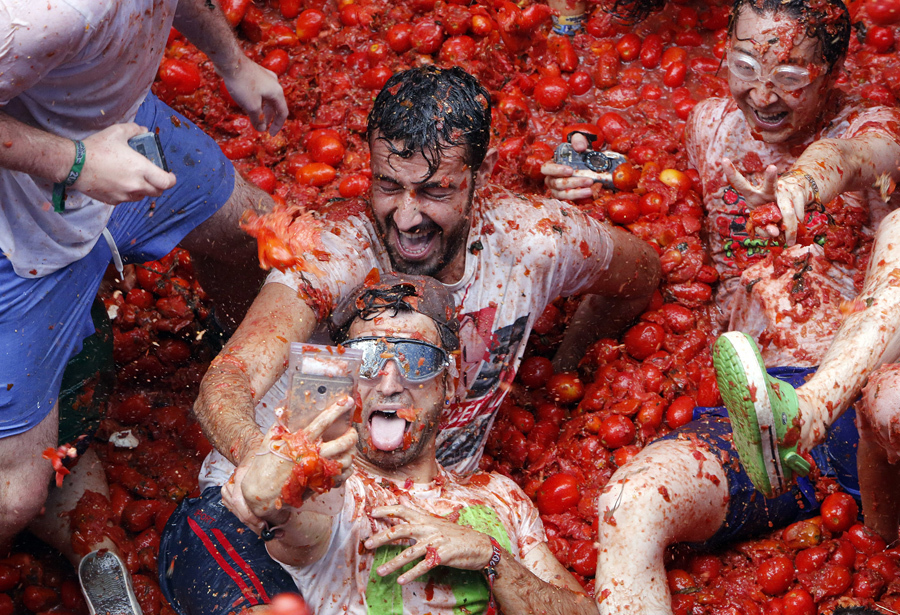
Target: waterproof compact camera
(148, 146)
(600, 164)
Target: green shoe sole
(762, 411)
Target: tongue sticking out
(387, 431)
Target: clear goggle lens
(785, 77)
(417, 361)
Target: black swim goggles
(417, 361)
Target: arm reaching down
(253, 87)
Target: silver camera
(602, 164)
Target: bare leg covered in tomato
(672, 491)
(879, 436)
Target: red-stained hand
(565, 182)
(258, 92)
(438, 541)
(756, 195)
(108, 156)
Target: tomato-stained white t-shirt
(790, 303)
(344, 581)
(522, 253)
(71, 68)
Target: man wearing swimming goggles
(473, 545)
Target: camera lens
(596, 161)
(322, 389)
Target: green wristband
(59, 189)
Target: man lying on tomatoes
(789, 248)
(75, 87)
(375, 524)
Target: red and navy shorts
(749, 512)
(212, 564)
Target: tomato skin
(583, 557)
(624, 209)
(651, 50)
(375, 77)
(799, 602)
(880, 38)
(309, 24)
(629, 47)
(37, 598)
(235, 149)
(616, 431)
(457, 49)
(316, 174)
(883, 12)
(138, 515)
(263, 178)
(612, 125)
(675, 74)
(557, 494)
(277, 61)
(551, 93)
(180, 75)
(580, 82)
(643, 339)
(680, 412)
(398, 37)
(865, 540)
(839, 511)
(775, 575)
(354, 186)
(565, 388)
(535, 372)
(427, 36)
(326, 148)
(9, 577)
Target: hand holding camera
(596, 165)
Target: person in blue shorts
(74, 196)
(688, 487)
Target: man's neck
(420, 471)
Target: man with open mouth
(391, 529)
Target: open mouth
(386, 429)
(769, 120)
(416, 245)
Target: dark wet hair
(826, 20)
(428, 110)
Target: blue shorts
(212, 564)
(44, 320)
(749, 512)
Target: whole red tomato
(651, 50)
(811, 559)
(865, 540)
(880, 38)
(37, 598)
(534, 372)
(427, 36)
(643, 339)
(375, 77)
(583, 557)
(624, 208)
(327, 148)
(680, 412)
(398, 37)
(316, 174)
(276, 61)
(839, 511)
(616, 431)
(883, 12)
(580, 82)
(625, 178)
(457, 49)
(799, 602)
(354, 186)
(551, 93)
(7, 607)
(557, 494)
(565, 388)
(180, 75)
(629, 47)
(309, 24)
(263, 178)
(9, 577)
(775, 574)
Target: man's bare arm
(252, 360)
(621, 293)
(48, 156)
(253, 87)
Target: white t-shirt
(789, 304)
(522, 253)
(71, 68)
(344, 580)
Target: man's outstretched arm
(252, 360)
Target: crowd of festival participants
(390, 511)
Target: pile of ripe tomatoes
(559, 435)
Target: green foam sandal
(763, 410)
